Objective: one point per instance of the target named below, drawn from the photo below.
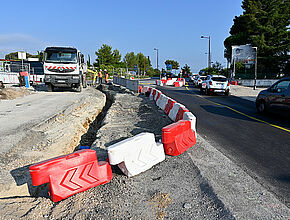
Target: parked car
(198, 80)
(215, 83)
(276, 96)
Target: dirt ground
(13, 93)
(173, 189)
(57, 135)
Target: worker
(106, 76)
(100, 76)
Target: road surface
(238, 131)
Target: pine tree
(264, 24)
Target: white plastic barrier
(156, 95)
(190, 117)
(173, 112)
(151, 97)
(9, 77)
(145, 89)
(159, 83)
(162, 101)
(136, 154)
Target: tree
(216, 68)
(130, 59)
(105, 56)
(264, 24)
(186, 70)
(140, 62)
(174, 64)
(14, 56)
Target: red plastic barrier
(169, 106)
(71, 174)
(23, 73)
(164, 81)
(180, 113)
(178, 137)
(148, 91)
(158, 96)
(234, 83)
(140, 89)
(176, 84)
(154, 93)
(180, 79)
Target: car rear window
(219, 79)
(203, 77)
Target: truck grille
(61, 71)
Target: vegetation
(174, 64)
(264, 24)
(185, 70)
(14, 56)
(216, 68)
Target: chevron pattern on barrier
(71, 174)
(137, 154)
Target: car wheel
(207, 91)
(80, 87)
(50, 88)
(201, 90)
(261, 106)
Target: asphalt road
(259, 148)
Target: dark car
(275, 97)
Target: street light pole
(157, 59)
(209, 58)
(256, 67)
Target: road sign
(168, 66)
(243, 53)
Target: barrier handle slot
(72, 156)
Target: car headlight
(47, 76)
(75, 77)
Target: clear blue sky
(173, 26)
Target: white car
(198, 80)
(215, 83)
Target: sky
(174, 27)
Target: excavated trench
(89, 137)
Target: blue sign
(169, 67)
(136, 68)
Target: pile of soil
(13, 93)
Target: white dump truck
(64, 67)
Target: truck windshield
(60, 57)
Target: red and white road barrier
(190, 117)
(136, 154)
(71, 174)
(162, 101)
(178, 137)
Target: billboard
(244, 53)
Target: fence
(128, 83)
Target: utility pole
(209, 58)
(144, 66)
(256, 68)
(157, 59)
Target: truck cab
(64, 67)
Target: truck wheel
(50, 88)
(80, 87)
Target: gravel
(173, 189)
